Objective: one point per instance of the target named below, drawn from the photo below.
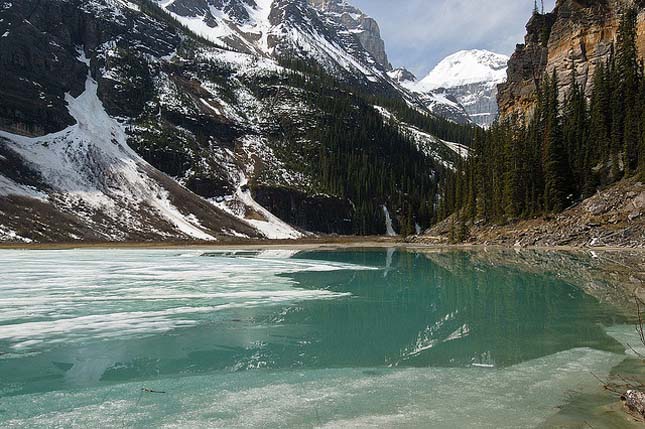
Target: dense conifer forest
(371, 162)
(571, 145)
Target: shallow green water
(375, 338)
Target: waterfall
(389, 231)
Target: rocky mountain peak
(334, 34)
(363, 27)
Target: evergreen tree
(556, 182)
(628, 82)
(600, 118)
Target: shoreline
(327, 243)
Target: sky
(420, 33)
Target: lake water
(280, 339)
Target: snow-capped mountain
(332, 33)
(358, 24)
(466, 68)
(205, 120)
(471, 78)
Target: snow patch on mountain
(75, 161)
(244, 207)
(403, 76)
(7, 234)
(10, 187)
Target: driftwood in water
(634, 400)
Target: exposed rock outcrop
(35, 67)
(402, 75)
(365, 28)
(576, 37)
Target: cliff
(363, 27)
(576, 37)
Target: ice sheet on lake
(55, 297)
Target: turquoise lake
(284, 339)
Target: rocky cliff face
(365, 28)
(575, 38)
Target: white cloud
(419, 33)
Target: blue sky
(419, 33)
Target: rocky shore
(614, 217)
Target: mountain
(471, 78)
(466, 68)
(574, 33)
(209, 120)
(365, 28)
(402, 76)
(437, 101)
